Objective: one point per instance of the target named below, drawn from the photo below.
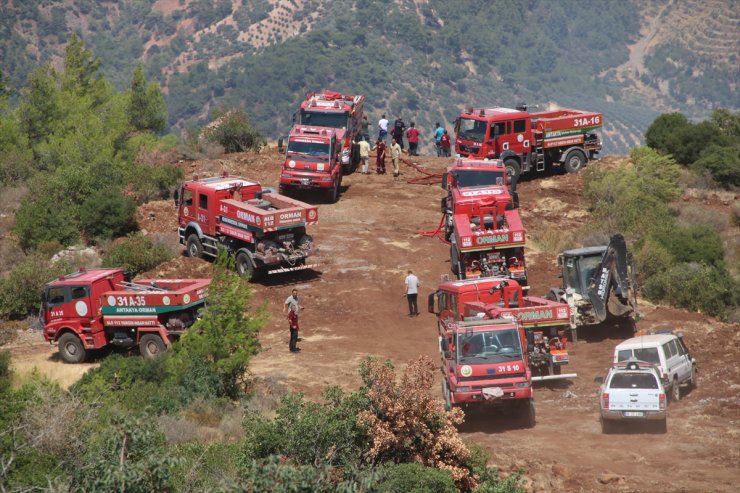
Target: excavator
(598, 283)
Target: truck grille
(469, 149)
(483, 378)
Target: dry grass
(204, 422)
(552, 240)
(265, 394)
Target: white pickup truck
(632, 391)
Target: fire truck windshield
(322, 119)
(479, 178)
(309, 150)
(488, 347)
(474, 130)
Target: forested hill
(422, 59)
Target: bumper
(307, 182)
(477, 396)
(634, 415)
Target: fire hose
(429, 178)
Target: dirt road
(355, 308)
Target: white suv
(668, 352)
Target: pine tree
(146, 110)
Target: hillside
(422, 59)
(354, 308)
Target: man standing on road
(365, 155)
(399, 127)
(292, 307)
(395, 157)
(438, 133)
(382, 128)
(413, 136)
(412, 292)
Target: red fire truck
(546, 322)
(265, 231)
(91, 309)
(484, 362)
(339, 111)
(529, 141)
(312, 161)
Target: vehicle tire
(446, 395)
(675, 391)
(244, 266)
(193, 246)
(575, 161)
(530, 419)
(513, 168)
(662, 425)
(71, 348)
(607, 426)
(151, 346)
(354, 157)
(694, 376)
(454, 266)
(334, 194)
(557, 369)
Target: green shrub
(20, 290)
(272, 475)
(206, 466)
(107, 214)
(696, 243)
(413, 478)
(136, 254)
(723, 163)
(234, 131)
(652, 258)
(5, 372)
(696, 287)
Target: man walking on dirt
(292, 307)
(382, 128)
(395, 157)
(412, 292)
(413, 136)
(438, 133)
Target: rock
(560, 471)
(611, 478)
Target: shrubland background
(94, 132)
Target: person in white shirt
(412, 292)
(383, 128)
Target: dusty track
(355, 308)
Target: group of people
(396, 147)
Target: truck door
(204, 215)
(81, 304)
(187, 209)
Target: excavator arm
(612, 290)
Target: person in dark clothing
(399, 127)
(380, 157)
(293, 325)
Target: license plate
(634, 414)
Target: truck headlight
(522, 385)
(463, 389)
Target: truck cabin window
(634, 381)
(54, 296)
(322, 119)
(79, 292)
(475, 178)
(474, 130)
(501, 126)
(187, 198)
(520, 126)
(308, 151)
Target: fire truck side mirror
(445, 345)
(444, 180)
(177, 197)
(430, 302)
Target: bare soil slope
(355, 308)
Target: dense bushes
(136, 253)
(678, 264)
(711, 146)
(20, 289)
(231, 129)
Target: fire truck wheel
(529, 415)
(557, 369)
(71, 348)
(194, 247)
(334, 194)
(151, 345)
(513, 169)
(446, 396)
(575, 161)
(244, 265)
